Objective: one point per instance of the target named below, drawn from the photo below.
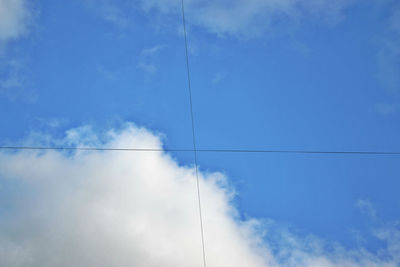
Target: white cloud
(118, 209)
(138, 209)
(249, 17)
(15, 18)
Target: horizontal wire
(199, 150)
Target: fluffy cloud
(97, 208)
(118, 209)
(14, 19)
(249, 17)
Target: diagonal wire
(193, 134)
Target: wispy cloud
(110, 11)
(51, 122)
(388, 59)
(148, 58)
(250, 17)
(218, 77)
(151, 51)
(13, 84)
(147, 67)
(389, 66)
(230, 18)
(15, 19)
(139, 209)
(106, 73)
(389, 54)
(386, 108)
(366, 206)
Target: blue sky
(290, 75)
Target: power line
(195, 150)
(201, 150)
(89, 149)
(193, 133)
(298, 151)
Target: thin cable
(193, 134)
(90, 149)
(298, 151)
(202, 150)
